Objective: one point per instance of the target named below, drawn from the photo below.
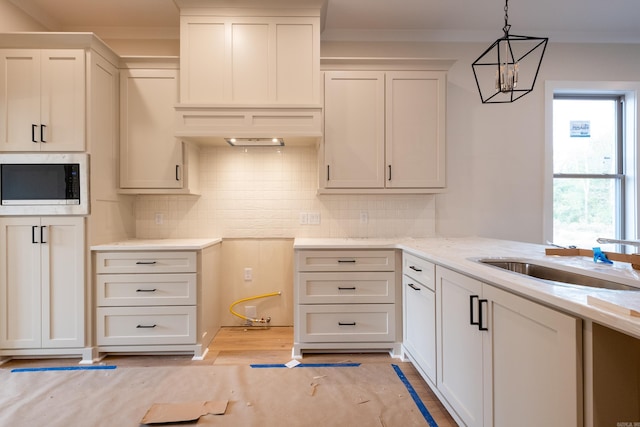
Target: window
(588, 169)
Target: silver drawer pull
(346, 323)
(146, 290)
(344, 288)
(414, 268)
(345, 261)
(145, 262)
(146, 326)
(414, 287)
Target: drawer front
(146, 325)
(145, 289)
(419, 269)
(347, 323)
(346, 260)
(145, 262)
(345, 288)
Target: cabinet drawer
(346, 260)
(347, 323)
(343, 288)
(146, 262)
(419, 269)
(146, 325)
(146, 289)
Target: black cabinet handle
(389, 172)
(345, 288)
(414, 268)
(414, 287)
(346, 323)
(146, 290)
(480, 314)
(146, 326)
(145, 262)
(33, 133)
(328, 175)
(471, 299)
(177, 172)
(42, 127)
(33, 233)
(346, 261)
(42, 234)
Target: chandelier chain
(506, 27)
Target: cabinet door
(62, 100)
(19, 99)
(250, 60)
(353, 130)
(20, 283)
(63, 277)
(534, 361)
(150, 156)
(415, 129)
(420, 325)
(460, 345)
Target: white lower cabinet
(346, 300)
(42, 292)
(155, 301)
(419, 300)
(503, 360)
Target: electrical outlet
(304, 218)
(364, 217)
(248, 274)
(314, 218)
(159, 218)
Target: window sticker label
(580, 128)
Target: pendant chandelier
(508, 69)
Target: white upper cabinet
(42, 100)
(253, 60)
(384, 132)
(147, 127)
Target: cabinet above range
(249, 70)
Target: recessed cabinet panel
(250, 44)
(347, 323)
(205, 79)
(354, 130)
(415, 142)
(147, 100)
(297, 75)
(361, 287)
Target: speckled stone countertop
(461, 254)
(157, 245)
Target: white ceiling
(384, 20)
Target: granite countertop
(157, 245)
(460, 253)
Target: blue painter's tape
(307, 365)
(65, 368)
(423, 409)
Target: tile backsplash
(267, 192)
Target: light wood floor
(239, 345)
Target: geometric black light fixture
(508, 69)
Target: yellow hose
(271, 294)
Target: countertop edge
(157, 245)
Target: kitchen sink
(555, 274)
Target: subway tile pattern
(262, 192)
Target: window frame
(631, 156)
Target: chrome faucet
(619, 242)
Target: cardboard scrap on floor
(162, 413)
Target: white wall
(496, 153)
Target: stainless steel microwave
(44, 184)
